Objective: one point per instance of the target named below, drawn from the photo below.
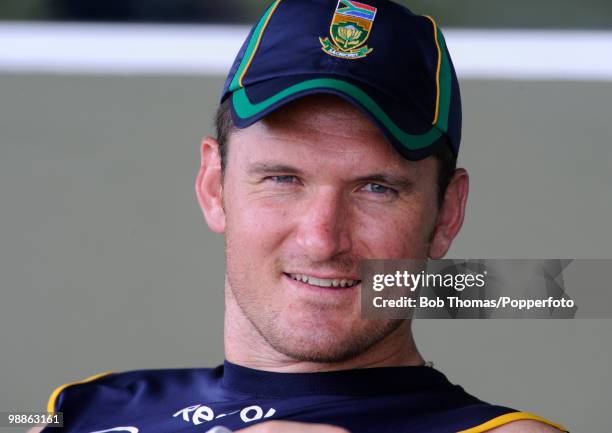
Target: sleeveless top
(416, 399)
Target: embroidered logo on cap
(349, 30)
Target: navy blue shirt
(381, 400)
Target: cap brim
(410, 135)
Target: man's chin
(322, 354)
(317, 346)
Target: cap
(392, 64)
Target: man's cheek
(385, 242)
(254, 243)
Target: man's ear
(450, 217)
(209, 185)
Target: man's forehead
(319, 129)
(328, 111)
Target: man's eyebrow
(388, 179)
(271, 167)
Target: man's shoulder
(127, 385)
(526, 426)
(129, 376)
(516, 422)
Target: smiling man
(306, 194)
(337, 136)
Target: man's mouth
(324, 282)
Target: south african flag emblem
(350, 28)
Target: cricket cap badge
(349, 30)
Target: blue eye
(378, 189)
(283, 179)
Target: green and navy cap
(392, 64)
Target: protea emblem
(349, 30)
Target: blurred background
(107, 264)
(549, 14)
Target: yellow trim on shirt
(59, 389)
(509, 417)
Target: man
(335, 143)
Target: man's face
(307, 194)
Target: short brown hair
(447, 161)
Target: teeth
(323, 282)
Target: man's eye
(283, 179)
(378, 189)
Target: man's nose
(323, 230)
